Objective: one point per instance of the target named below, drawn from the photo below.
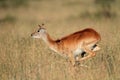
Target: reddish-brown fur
(68, 44)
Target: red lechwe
(73, 45)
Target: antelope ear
(41, 25)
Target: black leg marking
(94, 46)
(82, 55)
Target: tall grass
(24, 58)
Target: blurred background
(24, 58)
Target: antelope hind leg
(90, 52)
(97, 48)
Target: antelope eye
(38, 31)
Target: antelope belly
(78, 52)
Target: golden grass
(24, 58)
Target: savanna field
(25, 58)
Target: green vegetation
(7, 19)
(104, 9)
(106, 6)
(25, 58)
(12, 3)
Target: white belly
(78, 52)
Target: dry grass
(24, 58)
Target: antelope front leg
(72, 59)
(72, 68)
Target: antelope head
(40, 33)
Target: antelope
(73, 45)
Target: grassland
(24, 58)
